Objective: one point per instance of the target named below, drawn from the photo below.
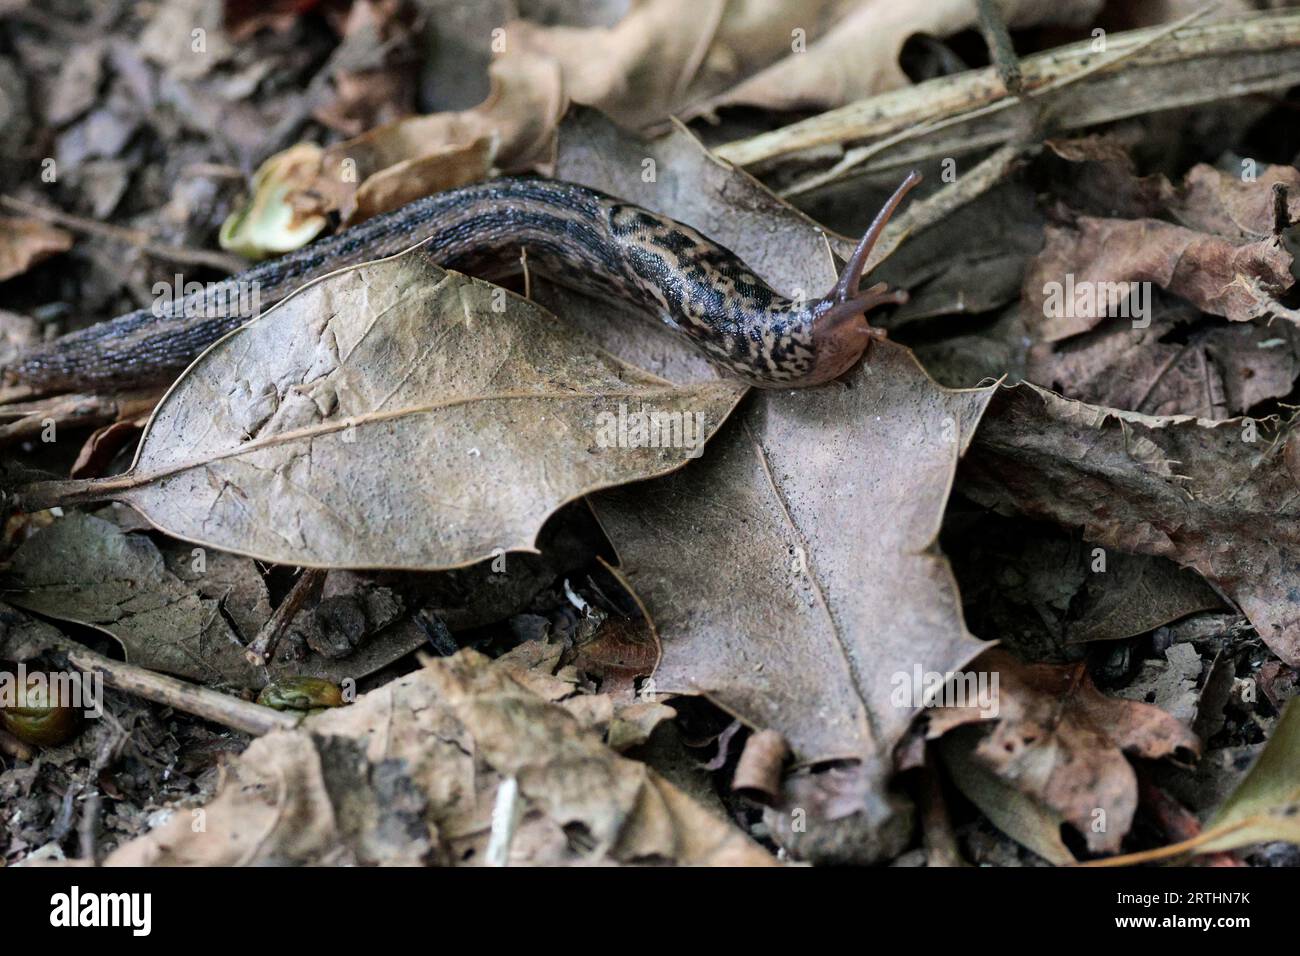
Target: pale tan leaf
(393, 415)
(410, 772)
(792, 574)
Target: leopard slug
(577, 236)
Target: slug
(577, 236)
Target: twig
(29, 419)
(88, 829)
(1029, 99)
(133, 237)
(937, 207)
(1002, 51)
(306, 590)
(200, 701)
(1171, 66)
(1281, 212)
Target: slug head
(841, 332)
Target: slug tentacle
(840, 330)
(574, 235)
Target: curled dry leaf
(1192, 490)
(1222, 255)
(409, 774)
(1059, 742)
(178, 610)
(396, 163)
(1239, 282)
(25, 242)
(648, 67)
(512, 130)
(791, 573)
(393, 415)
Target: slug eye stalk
(841, 332)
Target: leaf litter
(778, 585)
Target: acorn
(309, 694)
(33, 720)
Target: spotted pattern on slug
(578, 236)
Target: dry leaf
(1061, 743)
(393, 415)
(25, 242)
(791, 576)
(175, 609)
(409, 774)
(1192, 490)
(1238, 281)
(1031, 823)
(650, 65)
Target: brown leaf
(393, 415)
(175, 609)
(1217, 275)
(790, 573)
(1060, 742)
(1224, 204)
(410, 773)
(1192, 490)
(1172, 367)
(25, 242)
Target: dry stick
(306, 590)
(200, 701)
(1168, 852)
(134, 237)
(1281, 211)
(1028, 98)
(88, 828)
(903, 109)
(1002, 51)
(920, 215)
(29, 419)
(1194, 65)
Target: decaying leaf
(386, 167)
(1061, 743)
(1192, 490)
(25, 242)
(1239, 282)
(270, 222)
(183, 611)
(394, 415)
(410, 772)
(791, 574)
(1031, 823)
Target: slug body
(577, 236)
